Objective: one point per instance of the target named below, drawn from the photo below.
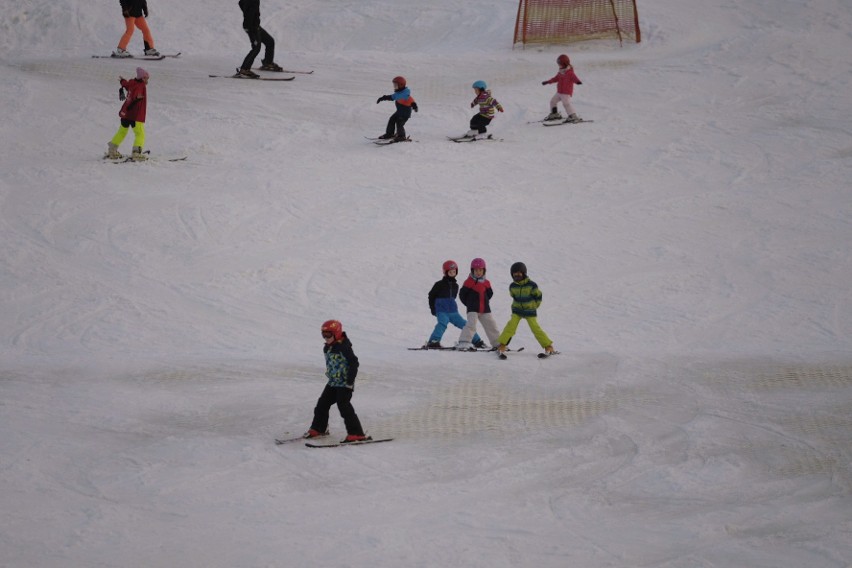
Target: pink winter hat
(141, 73)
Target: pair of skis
(471, 350)
(140, 57)
(147, 158)
(368, 440)
(461, 139)
(388, 141)
(262, 78)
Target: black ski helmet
(518, 267)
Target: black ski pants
(479, 123)
(259, 37)
(341, 396)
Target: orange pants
(131, 24)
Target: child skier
(404, 105)
(565, 80)
(526, 298)
(341, 368)
(442, 304)
(487, 107)
(257, 36)
(135, 12)
(132, 115)
(475, 295)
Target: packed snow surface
(160, 321)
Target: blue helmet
(480, 85)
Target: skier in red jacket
(132, 115)
(565, 80)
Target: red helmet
(477, 263)
(399, 81)
(563, 60)
(334, 327)
(450, 265)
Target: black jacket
(443, 294)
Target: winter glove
(579, 82)
(384, 98)
(473, 104)
(544, 82)
(414, 107)
(145, 8)
(500, 109)
(121, 94)
(125, 12)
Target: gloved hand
(414, 107)
(473, 104)
(125, 12)
(383, 98)
(499, 110)
(121, 94)
(579, 82)
(544, 82)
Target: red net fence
(563, 21)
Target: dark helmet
(334, 327)
(400, 81)
(518, 267)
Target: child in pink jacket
(565, 80)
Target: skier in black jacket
(257, 36)
(442, 304)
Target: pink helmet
(450, 265)
(477, 263)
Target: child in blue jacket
(404, 105)
(442, 304)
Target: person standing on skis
(341, 368)
(405, 103)
(257, 36)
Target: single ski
(545, 355)
(280, 441)
(339, 444)
(460, 139)
(389, 141)
(238, 76)
(284, 71)
(566, 121)
(137, 57)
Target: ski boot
(112, 152)
(137, 154)
(572, 118)
(121, 53)
(554, 115)
(354, 438)
(151, 52)
(247, 73)
(271, 67)
(315, 434)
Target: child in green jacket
(526, 298)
